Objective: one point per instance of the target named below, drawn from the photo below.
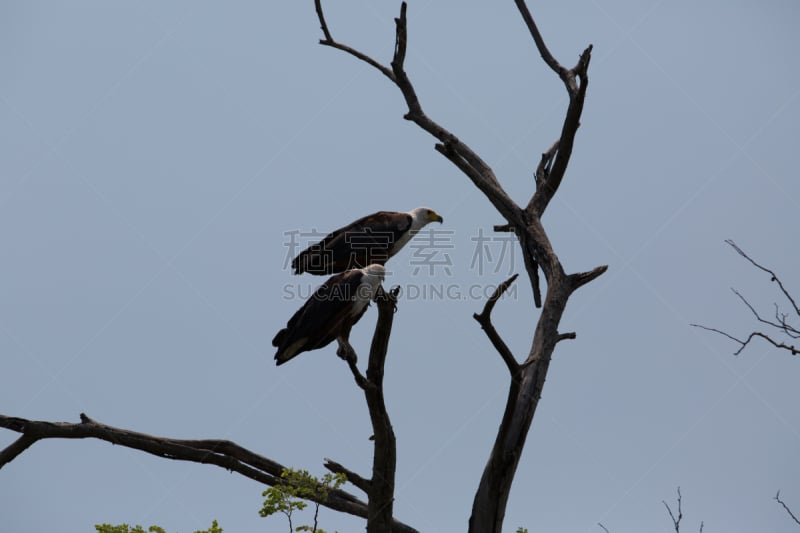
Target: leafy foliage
(125, 528)
(290, 496)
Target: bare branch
(547, 188)
(773, 276)
(565, 336)
(384, 459)
(481, 174)
(322, 24)
(780, 322)
(485, 320)
(675, 521)
(604, 527)
(554, 162)
(792, 349)
(755, 313)
(15, 448)
(543, 170)
(328, 41)
(352, 477)
(787, 328)
(582, 278)
(222, 453)
(786, 507)
(491, 497)
(537, 37)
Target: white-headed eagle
(329, 313)
(372, 239)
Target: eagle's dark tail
(278, 340)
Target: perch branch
(384, 459)
(485, 320)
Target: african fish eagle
(329, 313)
(370, 239)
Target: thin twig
(791, 348)
(780, 324)
(675, 521)
(485, 320)
(755, 313)
(774, 276)
(329, 41)
(540, 44)
(786, 507)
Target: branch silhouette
(779, 326)
(527, 379)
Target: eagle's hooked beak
(436, 217)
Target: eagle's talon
(347, 353)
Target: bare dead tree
(235, 458)
(780, 324)
(786, 508)
(526, 378)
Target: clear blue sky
(156, 155)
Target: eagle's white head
(422, 216)
(375, 273)
(373, 276)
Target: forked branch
(450, 146)
(780, 324)
(676, 520)
(485, 320)
(773, 276)
(554, 162)
(491, 497)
